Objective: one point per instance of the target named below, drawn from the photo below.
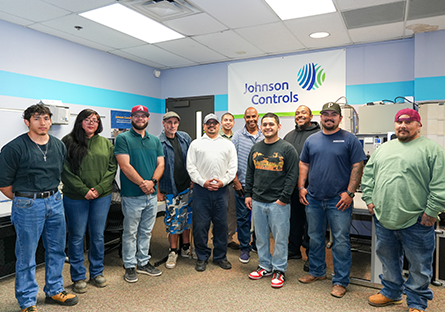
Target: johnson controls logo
(311, 76)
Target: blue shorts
(178, 211)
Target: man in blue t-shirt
(141, 159)
(333, 161)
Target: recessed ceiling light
(319, 35)
(289, 9)
(132, 23)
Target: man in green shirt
(404, 188)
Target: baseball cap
(170, 115)
(140, 108)
(413, 115)
(209, 117)
(331, 106)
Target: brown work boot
(338, 291)
(63, 298)
(30, 309)
(307, 279)
(378, 300)
(415, 310)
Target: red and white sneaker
(259, 273)
(277, 279)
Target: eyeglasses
(212, 123)
(143, 116)
(91, 121)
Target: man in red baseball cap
(404, 187)
(140, 109)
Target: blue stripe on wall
(221, 103)
(361, 94)
(429, 88)
(24, 86)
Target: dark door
(190, 109)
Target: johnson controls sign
(282, 84)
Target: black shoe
(306, 266)
(293, 255)
(148, 269)
(130, 275)
(201, 265)
(224, 264)
(233, 245)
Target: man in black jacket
(304, 127)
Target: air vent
(161, 10)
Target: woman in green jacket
(87, 177)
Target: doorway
(192, 111)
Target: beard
(137, 127)
(330, 128)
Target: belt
(37, 194)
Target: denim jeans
(210, 206)
(33, 218)
(139, 218)
(318, 213)
(298, 235)
(242, 222)
(79, 215)
(271, 217)
(417, 243)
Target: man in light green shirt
(404, 188)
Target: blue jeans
(269, 217)
(417, 243)
(139, 218)
(318, 213)
(33, 218)
(242, 222)
(210, 206)
(79, 215)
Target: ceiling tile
(15, 19)
(420, 9)
(192, 50)
(239, 13)
(93, 31)
(380, 32)
(229, 44)
(271, 38)
(424, 25)
(331, 23)
(158, 55)
(135, 58)
(36, 11)
(193, 25)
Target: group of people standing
(290, 188)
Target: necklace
(44, 153)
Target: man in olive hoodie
(304, 127)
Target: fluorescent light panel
(289, 9)
(132, 23)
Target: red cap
(140, 108)
(413, 115)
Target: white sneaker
(171, 261)
(189, 253)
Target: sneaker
(277, 279)
(130, 275)
(223, 264)
(99, 281)
(185, 252)
(306, 266)
(254, 249)
(63, 298)
(171, 261)
(259, 273)
(148, 269)
(244, 256)
(194, 255)
(80, 287)
(30, 309)
(294, 255)
(233, 245)
(378, 300)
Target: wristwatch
(350, 194)
(154, 181)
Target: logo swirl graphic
(311, 76)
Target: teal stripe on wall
(221, 103)
(361, 94)
(24, 86)
(430, 88)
